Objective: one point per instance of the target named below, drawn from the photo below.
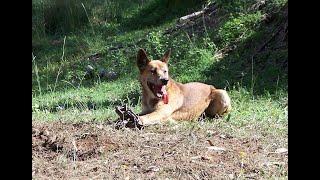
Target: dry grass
(174, 151)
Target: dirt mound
(68, 150)
(59, 138)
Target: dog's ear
(166, 56)
(142, 59)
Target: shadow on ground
(160, 12)
(131, 98)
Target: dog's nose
(164, 81)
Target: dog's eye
(165, 71)
(153, 71)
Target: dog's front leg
(156, 117)
(144, 112)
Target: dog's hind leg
(220, 103)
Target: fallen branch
(193, 15)
(209, 9)
(185, 22)
(188, 21)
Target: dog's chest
(150, 104)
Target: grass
(68, 36)
(97, 104)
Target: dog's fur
(164, 99)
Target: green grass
(97, 104)
(62, 91)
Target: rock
(111, 75)
(102, 73)
(281, 150)
(89, 71)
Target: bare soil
(63, 150)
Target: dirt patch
(73, 140)
(66, 150)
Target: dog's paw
(140, 121)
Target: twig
(75, 149)
(151, 147)
(37, 73)
(62, 57)
(88, 18)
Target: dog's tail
(221, 101)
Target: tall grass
(62, 60)
(37, 73)
(84, 8)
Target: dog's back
(199, 97)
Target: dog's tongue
(162, 92)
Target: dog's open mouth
(158, 90)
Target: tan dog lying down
(164, 99)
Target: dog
(164, 99)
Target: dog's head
(154, 73)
